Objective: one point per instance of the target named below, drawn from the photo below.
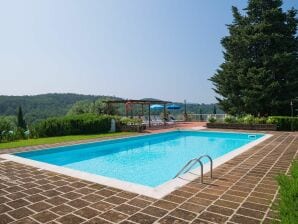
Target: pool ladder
(191, 163)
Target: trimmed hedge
(74, 125)
(263, 127)
(284, 123)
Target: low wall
(263, 127)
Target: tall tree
(260, 73)
(214, 109)
(21, 123)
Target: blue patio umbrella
(173, 107)
(156, 107)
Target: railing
(205, 117)
(191, 163)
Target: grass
(288, 204)
(60, 139)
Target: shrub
(212, 119)
(248, 119)
(260, 120)
(8, 129)
(130, 121)
(284, 123)
(229, 119)
(74, 125)
(288, 204)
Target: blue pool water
(147, 160)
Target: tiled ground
(241, 192)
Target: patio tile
(87, 212)
(220, 210)
(227, 204)
(35, 198)
(192, 207)
(113, 216)
(244, 220)
(92, 198)
(18, 203)
(97, 220)
(139, 203)
(154, 211)
(78, 203)
(25, 221)
(213, 217)
(56, 200)
(62, 209)
(5, 219)
(102, 206)
(115, 200)
(70, 219)
(171, 220)
(127, 209)
(165, 205)
(40, 206)
(142, 218)
(105, 193)
(183, 214)
(127, 195)
(45, 216)
(250, 213)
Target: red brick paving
(242, 191)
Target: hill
(37, 107)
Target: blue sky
(164, 49)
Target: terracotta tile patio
(242, 191)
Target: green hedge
(288, 204)
(74, 125)
(284, 123)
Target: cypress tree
(260, 73)
(21, 123)
(214, 109)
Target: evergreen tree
(260, 73)
(214, 109)
(201, 116)
(21, 123)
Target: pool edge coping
(153, 192)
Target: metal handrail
(191, 163)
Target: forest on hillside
(38, 107)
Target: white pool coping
(154, 192)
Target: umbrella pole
(164, 114)
(149, 116)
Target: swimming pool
(149, 160)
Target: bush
(229, 119)
(9, 130)
(260, 120)
(212, 119)
(74, 125)
(130, 124)
(247, 119)
(288, 204)
(130, 121)
(284, 123)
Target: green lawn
(288, 192)
(52, 140)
